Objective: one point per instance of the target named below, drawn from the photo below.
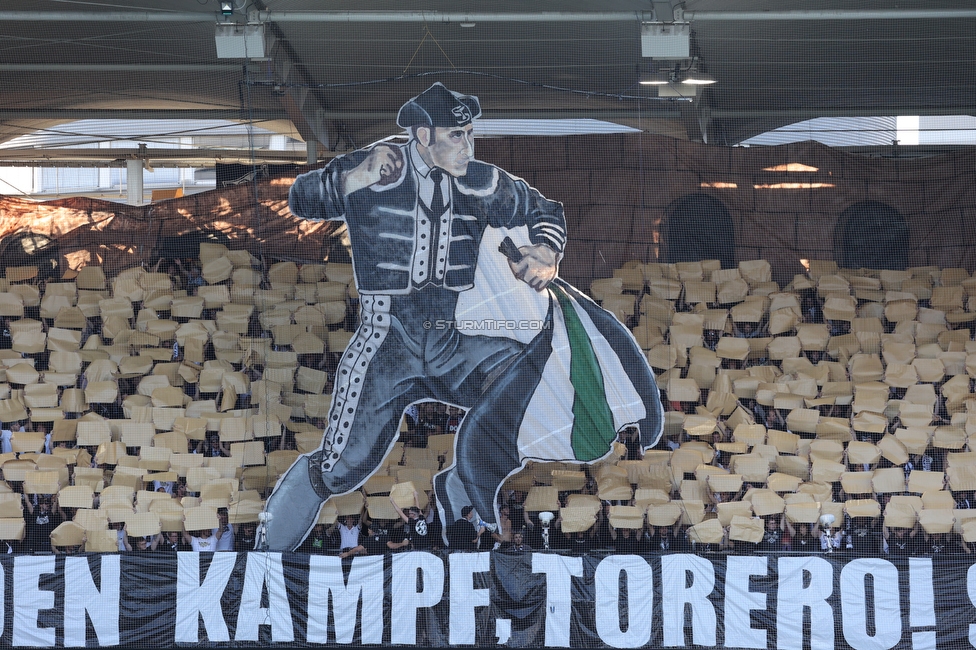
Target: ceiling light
(697, 78)
(792, 186)
(227, 8)
(790, 167)
(655, 78)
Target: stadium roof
(338, 75)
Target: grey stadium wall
(619, 190)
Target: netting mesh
(170, 346)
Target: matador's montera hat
(439, 107)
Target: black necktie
(437, 199)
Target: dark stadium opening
(188, 244)
(31, 249)
(699, 227)
(871, 235)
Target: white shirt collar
(418, 162)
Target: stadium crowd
(154, 410)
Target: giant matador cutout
(456, 265)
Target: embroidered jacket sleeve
(515, 203)
(318, 195)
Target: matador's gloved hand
(538, 266)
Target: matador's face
(450, 148)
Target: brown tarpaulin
(117, 236)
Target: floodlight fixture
(695, 77)
(660, 78)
